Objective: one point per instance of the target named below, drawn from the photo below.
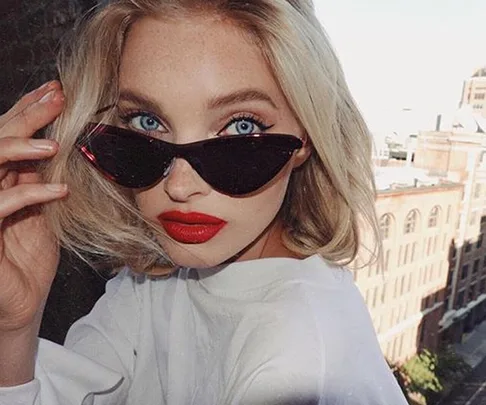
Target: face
(190, 80)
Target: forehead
(198, 54)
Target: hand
(29, 253)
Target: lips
(190, 227)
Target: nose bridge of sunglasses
(191, 154)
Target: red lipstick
(190, 227)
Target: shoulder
(326, 302)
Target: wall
(30, 31)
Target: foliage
(429, 374)
(422, 372)
(450, 365)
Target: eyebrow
(140, 100)
(236, 97)
(240, 96)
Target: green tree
(422, 374)
(432, 374)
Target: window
(411, 222)
(465, 270)
(422, 335)
(484, 261)
(437, 297)
(449, 278)
(468, 247)
(477, 190)
(414, 251)
(387, 258)
(405, 256)
(476, 266)
(434, 217)
(402, 285)
(482, 286)
(375, 296)
(479, 242)
(460, 299)
(471, 294)
(479, 96)
(385, 225)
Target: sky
(405, 60)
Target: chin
(194, 256)
(198, 262)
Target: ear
(303, 153)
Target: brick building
(462, 157)
(406, 298)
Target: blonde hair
(329, 198)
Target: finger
(24, 195)
(35, 116)
(28, 99)
(18, 149)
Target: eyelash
(248, 117)
(127, 116)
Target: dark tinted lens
(234, 165)
(241, 165)
(129, 159)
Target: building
(405, 299)
(432, 209)
(474, 92)
(461, 157)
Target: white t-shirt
(273, 331)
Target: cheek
(147, 201)
(266, 203)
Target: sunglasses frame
(285, 143)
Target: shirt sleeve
(355, 369)
(95, 365)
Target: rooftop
(481, 72)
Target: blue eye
(244, 126)
(145, 122)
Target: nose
(183, 183)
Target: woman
(213, 148)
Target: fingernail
(45, 85)
(42, 144)
(47, 97)
(56, 188)
(42, 87)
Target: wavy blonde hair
(329, 199)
